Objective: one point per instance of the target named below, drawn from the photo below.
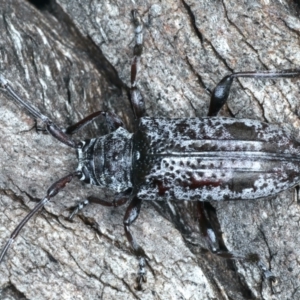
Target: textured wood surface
(70, 58)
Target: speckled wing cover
(212, 159)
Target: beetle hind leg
(221, 92)
(211, 237)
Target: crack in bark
(202, 84)
(241, 33)
(98, 278)
(12, 291)
(193, 20)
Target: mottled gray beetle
(194, 159)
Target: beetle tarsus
(141, 276)
(130, 217)
(266, 272)
(77, 208)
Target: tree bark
(71, 58)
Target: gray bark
(73, 58)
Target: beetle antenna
(51, 127)
(20, 226)
(7, 87)
(52, 191)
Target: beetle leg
(54, 189)
(119, 200)
(136, 99)
(220, 93)
(210, 235)
(51, 127)
(131, 215)
(206, 228)
(113, 121)
(37, 128)
(297, 193)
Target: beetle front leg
(113, 121)
(51, 127)
(221, 92)
(131, 215)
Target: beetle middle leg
(119, 200)
(132, 213)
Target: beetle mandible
(193, 159)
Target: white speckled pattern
(212, 159)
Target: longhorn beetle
(193, 159)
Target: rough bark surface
(71, 58)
